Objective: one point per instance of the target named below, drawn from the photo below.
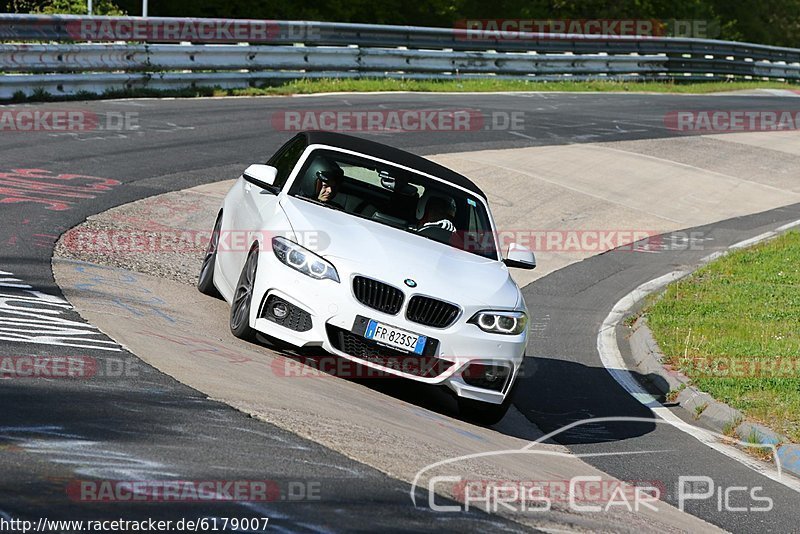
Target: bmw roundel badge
(409, 282)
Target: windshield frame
(310, 149)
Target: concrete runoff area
(387, 433)
(622, 186)
(783, 141)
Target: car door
(259, 202)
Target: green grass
(698, 410)
(673, 394)
(488, 85)
(743, 309)
(40, 95)
(730, 428)
(367, 85)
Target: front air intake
(431, 312)
(377, 295)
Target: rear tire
(205, 282)
(242, 299)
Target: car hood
(392, 256)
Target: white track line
(608, 349)
(753, 240)
(787, 226)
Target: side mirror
(261, 175)
(520, 257)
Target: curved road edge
(647, 359)
(182, 333)
(177, 426)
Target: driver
(328, 183)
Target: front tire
(242, 299)
(205, 282)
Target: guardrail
(73, 54)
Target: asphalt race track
(54, 432)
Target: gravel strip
(163, 236)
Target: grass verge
(366, 85)
(488, 85)
(733, 327)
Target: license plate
(394, 337)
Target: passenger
(439, 213)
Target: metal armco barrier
(67, 54)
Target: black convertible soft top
(395, 155)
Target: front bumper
(338, 321)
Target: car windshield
(396, 197)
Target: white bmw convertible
(378, 256)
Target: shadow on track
(553, 393)
(543, 395)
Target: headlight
(303, 260)
(501, 322)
